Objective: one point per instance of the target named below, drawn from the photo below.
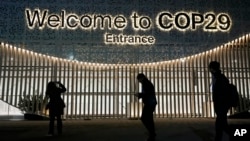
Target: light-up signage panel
(165, 21)
(118, 31)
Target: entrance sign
(165, 21)
(123, 32)
(184, 21)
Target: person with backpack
(220, 94)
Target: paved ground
(116, 130)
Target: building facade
(97, 48)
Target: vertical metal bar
(241, 57)
(247, 54)
(177, 89)
(43, 83)
(76, 91)
(85, 100)
(89, 87)
(73, 94)
(168, 85)
(197, 87)
(69, 95)
(246, 67)
(125, 87)
(184, 84)
(34, 78)
(106, 90)
(122, 91)
(238, 61)
(207, 84)
(159, 79)
(101, 90)
(181, 104)
(64, 76)
(104, 77)
(12, 74)
(31, 93)
(171, 73)
(162, 88)
(114, 94)
(98, 92)
(5, 54)
(109, 89)
(202, 87)
(192, 88)
(195, 80)
(2, 69)
(38, 84)
(175, 71)
(17, 66)
(72, 86)
(8, 74)
(93, 92)
(81, 94)
(80, 91)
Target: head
(51, 85)
(214, 66)
(141, 77)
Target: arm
(62, 87)
(139, 95)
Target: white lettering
(240, 132)
(128, 39)
(63, 20)
(182, 21)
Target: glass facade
(96, 48)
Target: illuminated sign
(128, 39)
(184, 21)
(165, 21)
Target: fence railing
(96, 90)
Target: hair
(51, 85)
(214, 65)
(141, 75)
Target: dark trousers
(59, 124)
(147, 119)
(221, 124)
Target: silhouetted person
(220, 95)
(56, 105)
(149, 101)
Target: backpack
(233, 96)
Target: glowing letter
(197, 19)
(35, 18)
(162, 21)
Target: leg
(51, 124)
(221, 125)
(218, 129)
(59, 124)
(148, 121)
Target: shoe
(49, 135)
(151, 138)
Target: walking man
(149, 101)
(220, 93)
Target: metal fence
(107, 90)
